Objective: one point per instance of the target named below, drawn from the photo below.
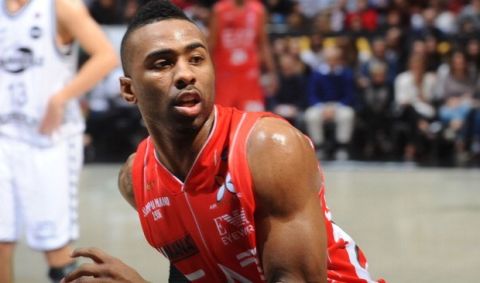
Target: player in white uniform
(41, 123)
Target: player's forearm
(268, 59)
(92, 72)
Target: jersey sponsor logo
(180, 249)
(18, 59)
(226, 186)
(234, 226)
(153, 207)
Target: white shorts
(38, 192)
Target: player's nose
(184, 75)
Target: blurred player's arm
(125, 184)
(291, 233)
(266, 56)
(213, 30)
(74, 23)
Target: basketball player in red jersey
(225, 195)
(239, 45)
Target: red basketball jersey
(205, 225)
(237, 41)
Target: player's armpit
(290, 226)
(125, 183)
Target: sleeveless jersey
(33, 69)
(205, 226)
(237, 40)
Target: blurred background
(408, 71)
(404, 181)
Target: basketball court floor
(414, 224)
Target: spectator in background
(108, 12)
(375, 112)
(290, 100)
(311, 8)
(297, 22)
(470, 14)
(473, 54)
(445, 19)
(312, 56)
(380, 54)
(239, 45)
(456, 92)
(331, 94)
(414, 101)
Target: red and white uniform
(205, 226)
(236, 54)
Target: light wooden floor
(415, 225)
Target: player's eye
(196, 59)
(162, 64)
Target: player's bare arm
(291, 233)
(75, 23)
(125, 183)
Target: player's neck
(15, 5)
(177, 152)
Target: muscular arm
(291, 234)
(125, 185)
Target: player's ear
(127, 90)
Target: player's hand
(53, 115)
(105, 268)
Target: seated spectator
(473, 54)
(414, 102)
(312, 56)
(380, 54)
(470, 14)
(375, 113)
(290, 100)
(331, 94)
(456, 92)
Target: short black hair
(152, 11)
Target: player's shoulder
(271, 133)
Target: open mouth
(188, 103)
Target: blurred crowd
(383, 80)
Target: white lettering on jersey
(154, 204)
(234, 226)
